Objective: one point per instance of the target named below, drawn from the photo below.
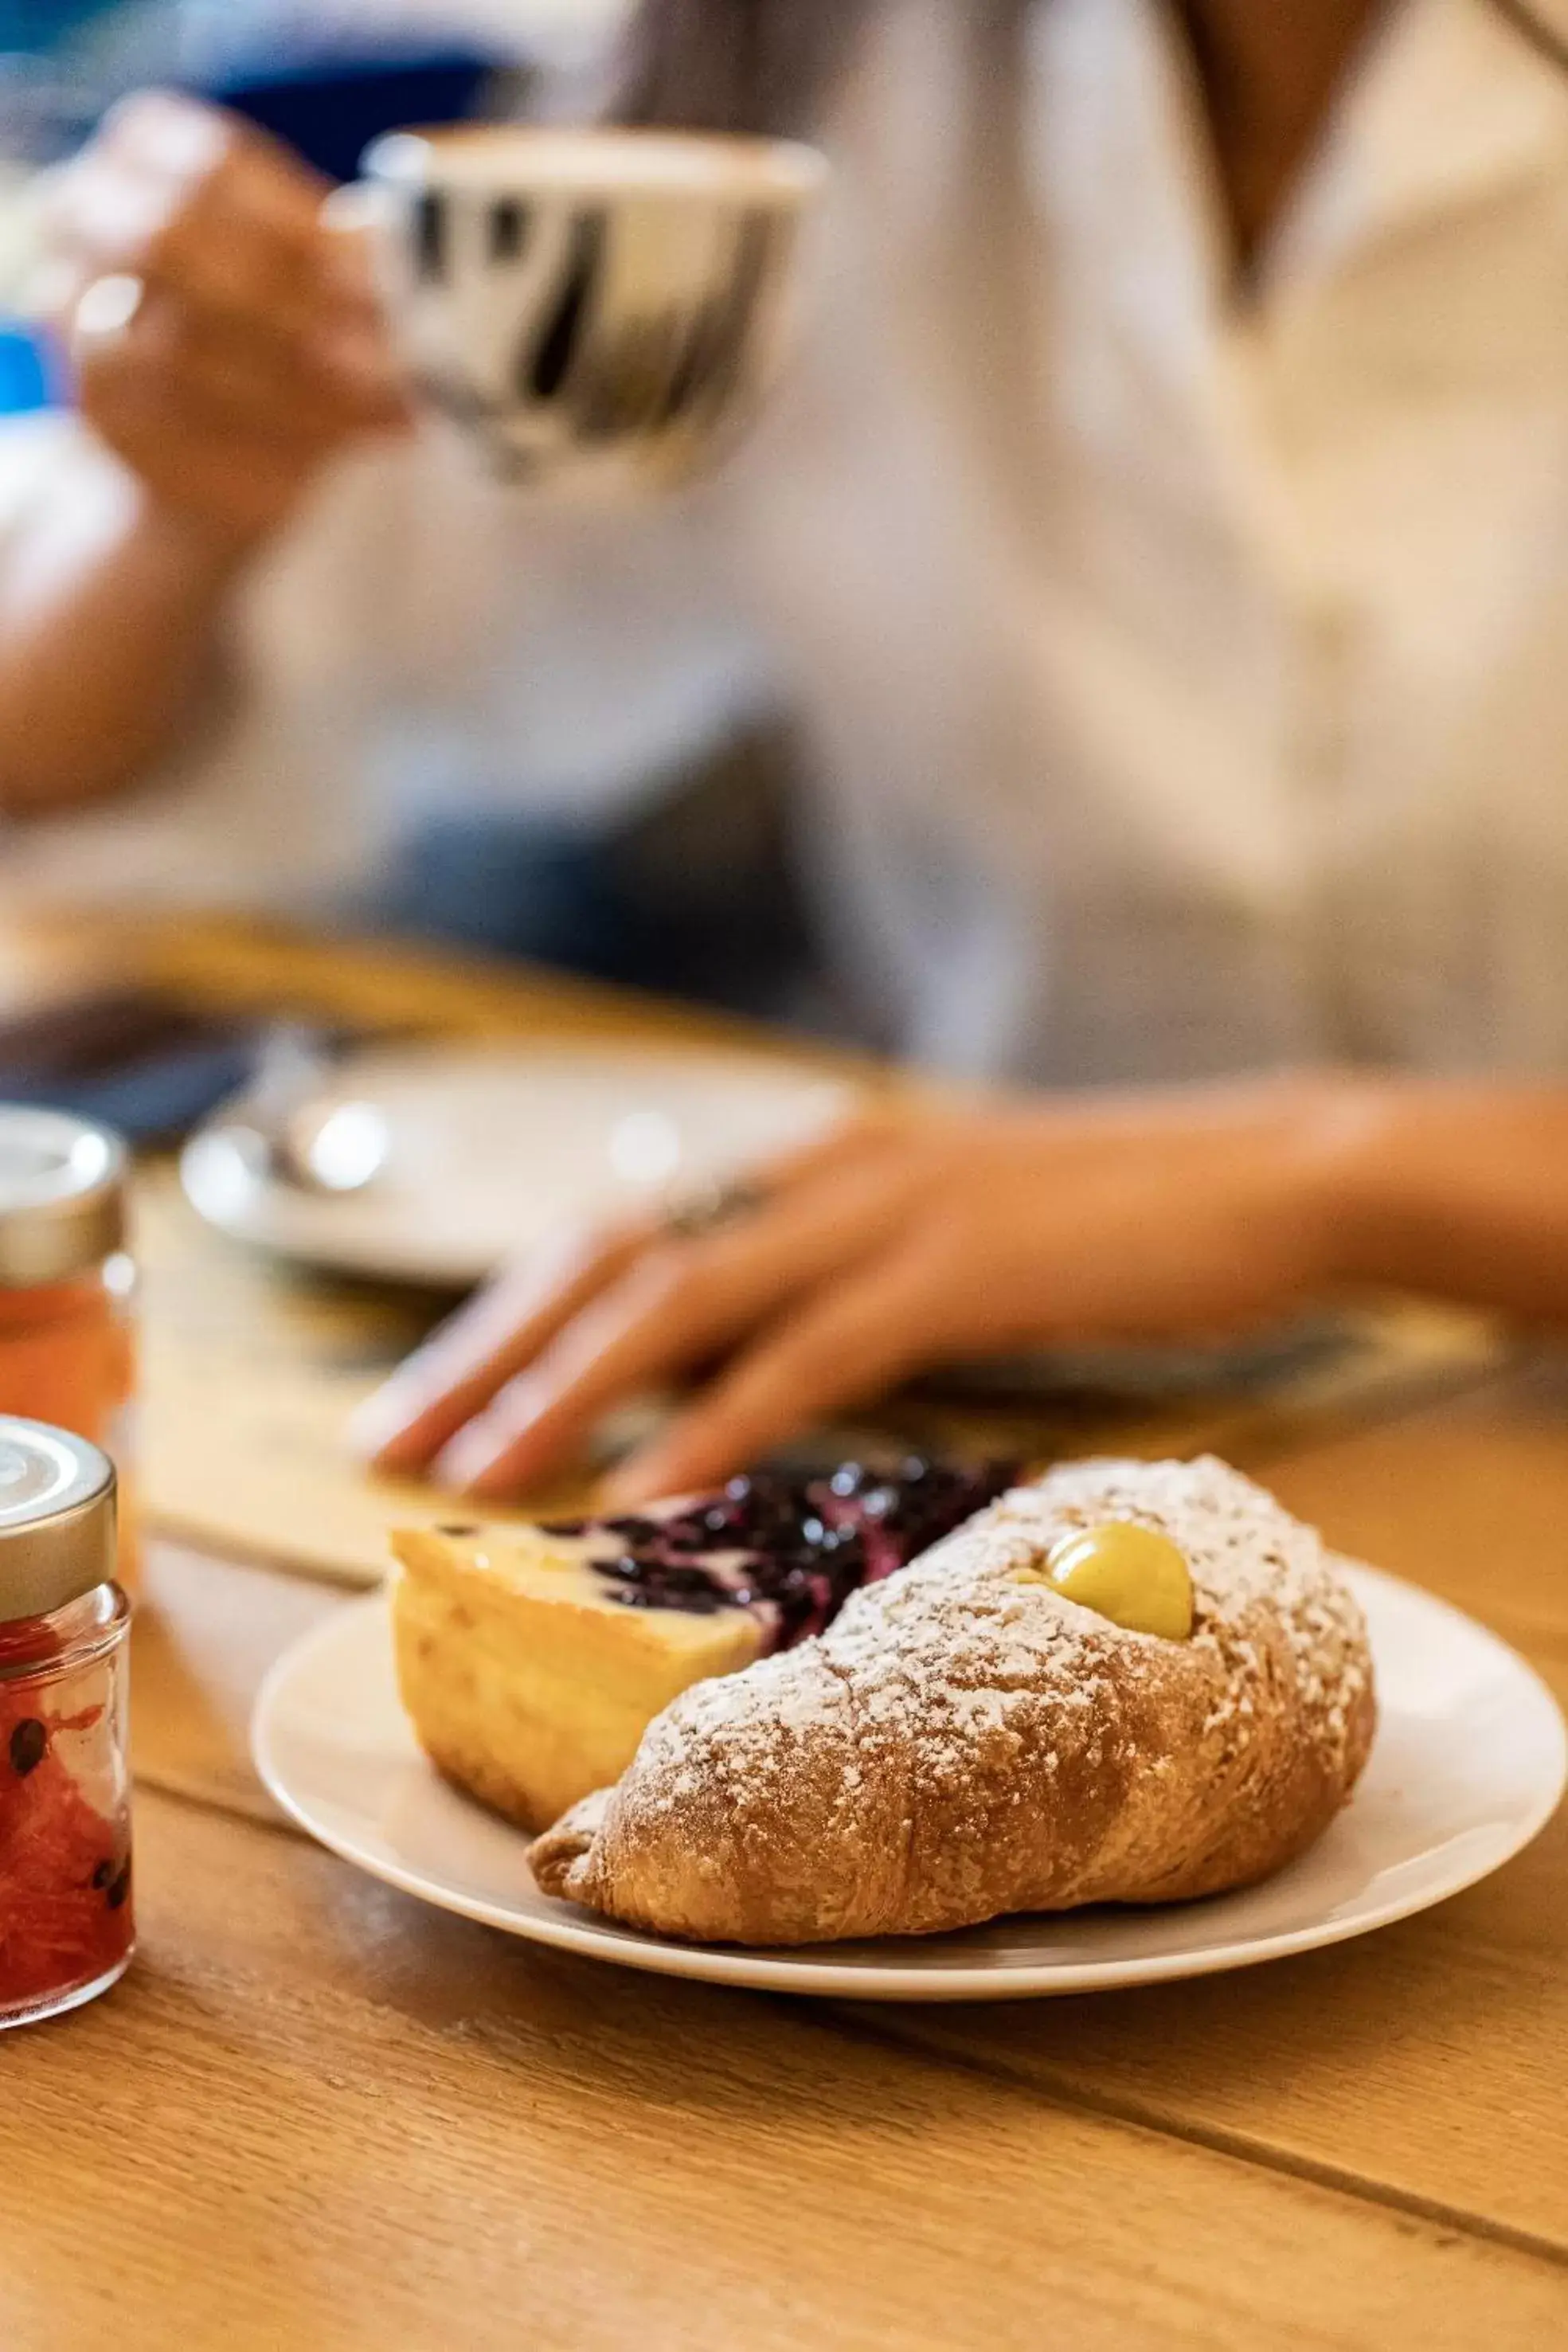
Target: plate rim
(343, 1253)
(771, 1970)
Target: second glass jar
(66, 1282)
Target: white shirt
(1188, 677)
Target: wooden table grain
(319, 2115)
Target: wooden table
(322, 2119)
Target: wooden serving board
(251, 1369)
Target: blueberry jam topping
(656, 1596)
(792, 1548)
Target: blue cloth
(26, 381)
(329, 109)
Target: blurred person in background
(1162, 541)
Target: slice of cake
(531, 1659)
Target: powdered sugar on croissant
(966, 1741)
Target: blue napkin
(330, 109)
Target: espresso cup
(599, 310)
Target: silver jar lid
(62, 1196)
(57, 1519)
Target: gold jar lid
(57, 1519)
(62, 1196)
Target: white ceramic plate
(1468, 1765)
(489, 1148)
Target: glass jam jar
(66, 1925)
(66, 1282)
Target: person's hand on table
(898, 1244)
(226, 341)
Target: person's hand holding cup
(593, 309)
(227, 341)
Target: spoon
(283, 1133)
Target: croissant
(968, 1739)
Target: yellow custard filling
(1138, 1579)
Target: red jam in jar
(66, 1928)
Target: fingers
(678, 1305)
(220, 381)
(846, 1345)
(191, 200)
(443, 1384)
(222, 418)
(250, 305)
(464, 1369)
(847, 1145)
(517, 1379)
